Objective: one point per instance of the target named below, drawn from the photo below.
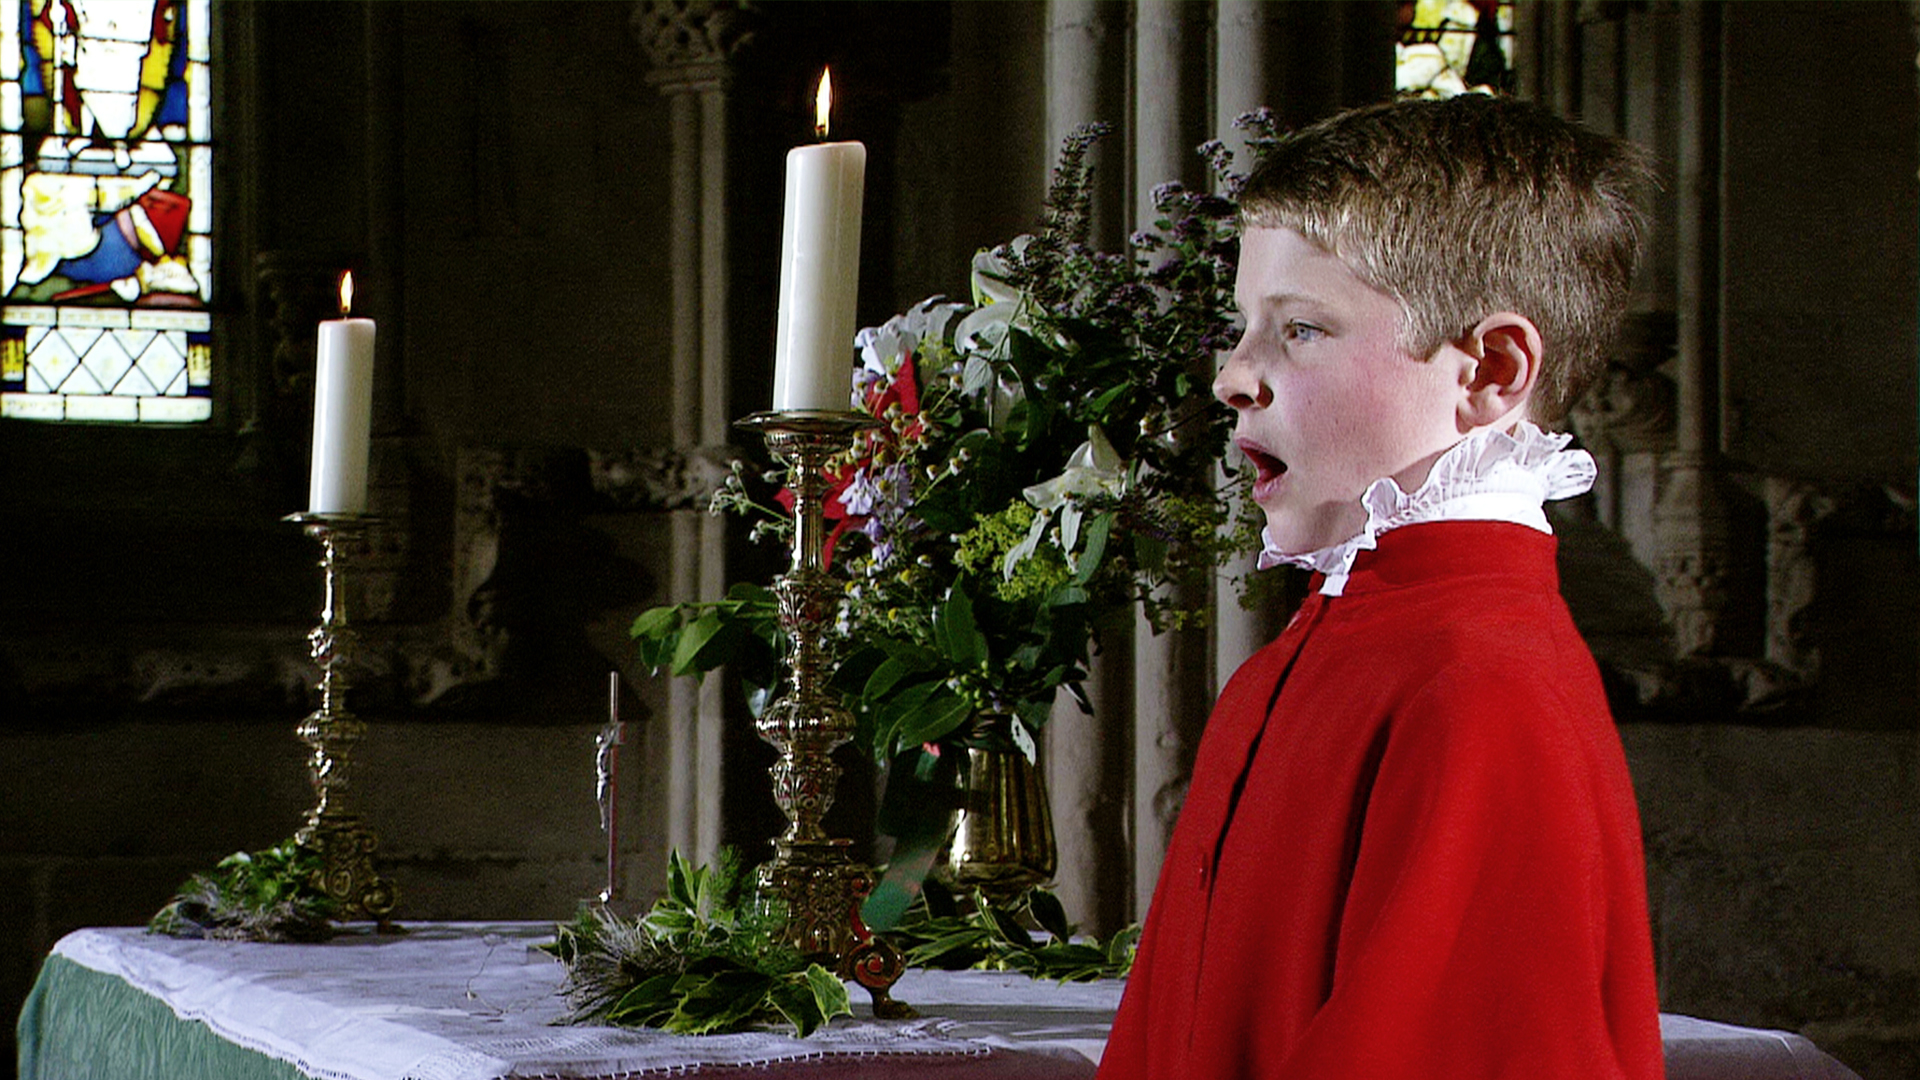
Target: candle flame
(823, 102)
(346, 293)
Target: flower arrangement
(1044, 452)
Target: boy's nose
(1238, 386)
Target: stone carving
(660, 479)
(303, 290)
(469, 643)
(1692, 570)
(1794, 512)
(692, 33)
(1630, 408)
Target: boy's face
(1327, 400)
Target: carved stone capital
(302, 289)
(1628, 411)
(1631, 407)
(660, 479)
(691, 43)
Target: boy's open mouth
(1265, 465)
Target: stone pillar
(1243, 80)
(1172, 684)
(1085, 756)
(690, 47)
(1086, 82)
(1694, 560)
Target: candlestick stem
(814, 873)
(333, 827)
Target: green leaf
(941, 715)
(656, 622)
(721, 1001)
(958, 943)
(955, 632)
(977, 375)
(1099, 406)
(1096, 552)
(794, 1000)
(885, 678)
(1050, 914)
(1120, 949)
(1068, 594)
(693, 639)
(829, 993)
(646, 1003)
(752, 592)
(1007, 929)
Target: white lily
(885, 347)
(1094, 468)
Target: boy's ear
(1505, 349)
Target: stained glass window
(1448, 47)
(106, 177)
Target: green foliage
(271, 895)
(741, 632)
(707, 958)
(1029, 934)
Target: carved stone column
(1694, 561)
(691, 45)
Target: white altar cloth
(477, 1001)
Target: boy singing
(1410, 847)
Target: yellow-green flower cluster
(983, 550)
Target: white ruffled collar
(1488, 476)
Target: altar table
(477, 1001)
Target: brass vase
(1003, 834)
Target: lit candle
(342, 411)
(819, 269)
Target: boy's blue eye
(1299, 331)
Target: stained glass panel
(106, 251)
(1448, 47)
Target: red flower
(902, 390)
(833, 511)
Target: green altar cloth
(123, 1034)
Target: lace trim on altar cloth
(1488, 476)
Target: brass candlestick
(815, 874)
(333, 829)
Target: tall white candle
(342, 412)
(819, 271)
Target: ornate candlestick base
(333, 830)
(816, 875)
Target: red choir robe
(1410, 847)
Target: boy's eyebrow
(1281, 299)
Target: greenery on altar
(1045, 452)
(1028, 933)
(707, 958)
(271, 895)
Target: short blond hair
(1467, 206)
